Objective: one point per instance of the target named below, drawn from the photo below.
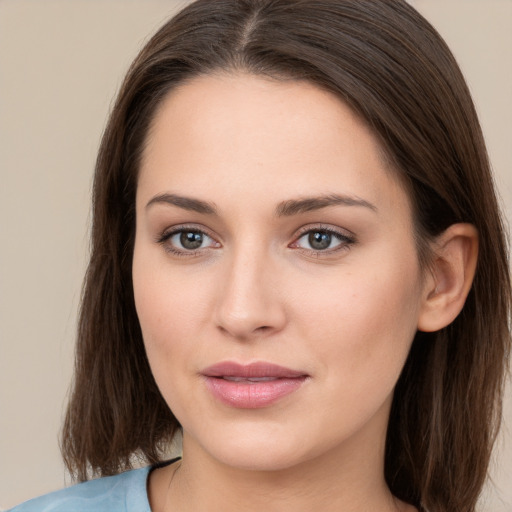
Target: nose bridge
(248, 301)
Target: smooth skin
(232, 264)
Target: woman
(298, 263)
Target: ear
(451, 275)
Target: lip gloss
(251, 386)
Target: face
(275, 272)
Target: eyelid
(169, 232)
(346, 237)
(343, 232)
(172, 230)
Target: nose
(249, 302)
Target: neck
(349, 477)
(312, 485)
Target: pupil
(191, 240)
(319, 240)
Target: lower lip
(252, 395)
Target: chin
(262, 459)
(259, 448)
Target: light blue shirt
(126, 492)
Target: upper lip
(252, 370)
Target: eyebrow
(187, 203)
(283, 209)
(308, 204)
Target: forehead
(242, 134)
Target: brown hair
(385, 61)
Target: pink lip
(232, 383)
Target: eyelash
(183, 253)
(346, 241)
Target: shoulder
(125, 492)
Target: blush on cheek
(375, 322)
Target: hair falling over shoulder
(392, 68)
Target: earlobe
(451, 276)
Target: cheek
(365, 320)
(168, 323)
(168, 318)
(162, 301)
(163, 295)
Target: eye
(189, 240)
(186, 241)
(323, 240)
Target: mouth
(251, 386)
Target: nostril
(247, 333)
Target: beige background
(61, 63)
